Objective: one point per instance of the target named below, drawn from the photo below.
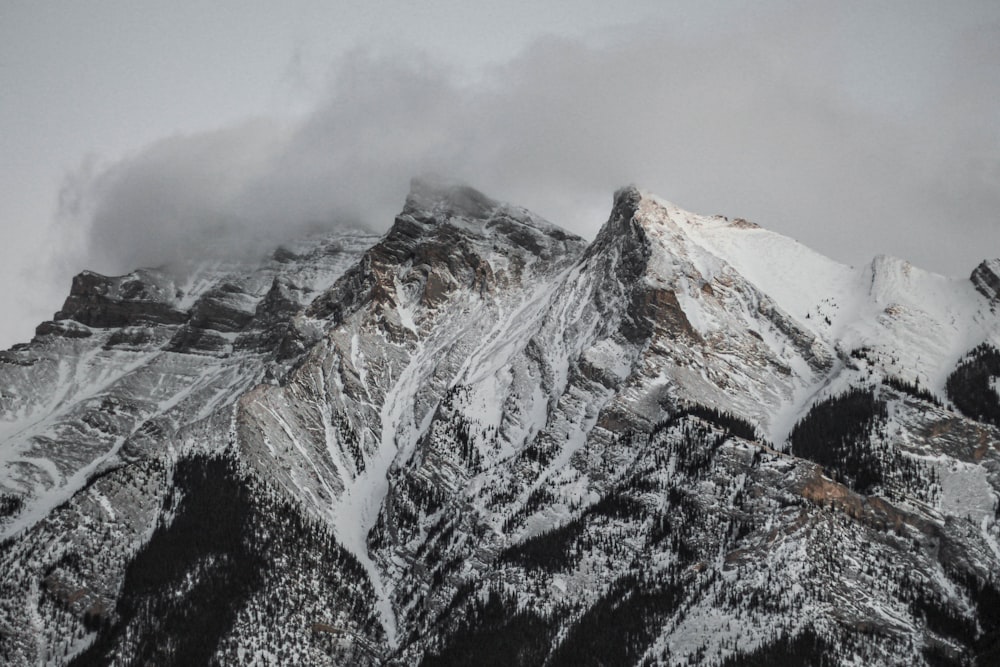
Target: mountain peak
(626, 201)
(437, 195)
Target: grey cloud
(758, 122)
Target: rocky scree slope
(480, 440)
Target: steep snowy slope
(138, 353)
(453, 271)
(917, 323)
(478, 439)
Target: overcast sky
(133, 132)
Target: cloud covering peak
(765, 121)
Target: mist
(796, 122)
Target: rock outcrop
(986, 278)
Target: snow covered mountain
(478, 439)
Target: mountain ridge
(488, 422)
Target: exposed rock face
(141, 297)
(986, 278)
(479, 438)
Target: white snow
(358, 507)
(915, 324)
(794, 276)
(965, 490)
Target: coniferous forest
(973, 387)
(219, 542)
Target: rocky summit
(478, 439)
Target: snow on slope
(916, 323)
(386, 365)
(797, 278)
(72, 402)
